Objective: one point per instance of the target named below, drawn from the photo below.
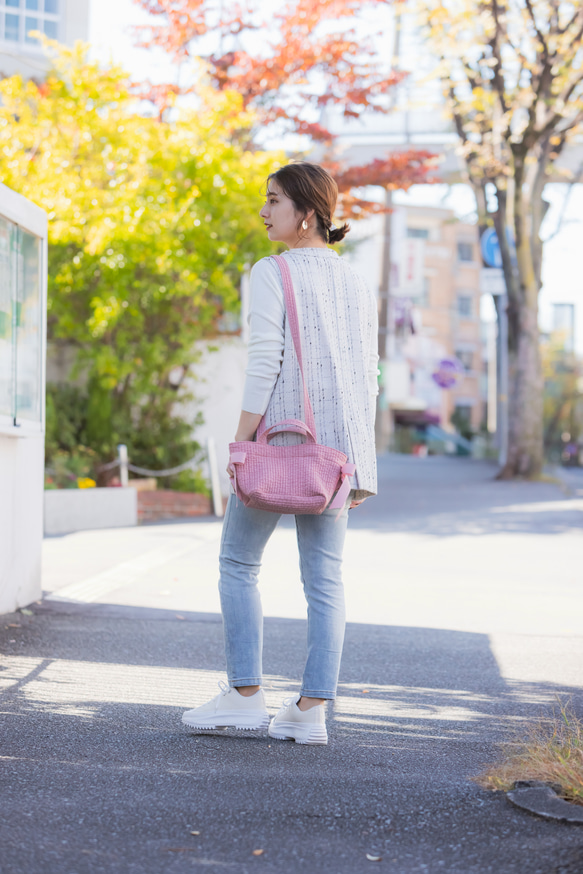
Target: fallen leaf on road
(178, 616)
(27, 612)
(13, 625)
(365, 691)
(372, 858)
(258, 852)
(194, 833)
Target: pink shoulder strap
(292, 316)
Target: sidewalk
(465, 613)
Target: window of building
(465, 251)
(16, 20)
(467, 359)
(464, 306)
(11, 28)
(418, 233)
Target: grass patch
(551, 750)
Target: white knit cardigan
(338, 329)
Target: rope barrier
(145, 472)
(109, 466)
(171, 470)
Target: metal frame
(33, 219)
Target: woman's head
(302, 194)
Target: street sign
(491, 248)
(448, 372)
(492, 281)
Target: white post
(122, 454)
(214, 477)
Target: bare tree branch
(536, 28)
(577, 14)
(577, 178)
(499, 83)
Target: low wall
(68, 510)
(166, 504)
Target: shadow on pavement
(448, 496)
(99, 774)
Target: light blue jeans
(320, 545)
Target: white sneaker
(230, 709)
(303, 726)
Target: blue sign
(491, 248)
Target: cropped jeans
(320, 544)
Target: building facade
(434, 317)
(64, 20)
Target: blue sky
(110, 23)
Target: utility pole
(502, 381)
(385, 285)
(385, 345)
(383, 419)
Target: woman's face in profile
(280, 216)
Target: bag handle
(287, 425)
(292, 315)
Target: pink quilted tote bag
(290, 479)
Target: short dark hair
(309, 186)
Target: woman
(338, 324)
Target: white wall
(68, 510)
(21, 520)
(218, 389)
(75, 21)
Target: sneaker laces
(293, 699)
(224, 687)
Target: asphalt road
(465, 613)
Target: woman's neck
(309, 244)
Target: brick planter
(166, 504)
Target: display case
(23, 307)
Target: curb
(542, 800)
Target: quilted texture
(287, 479)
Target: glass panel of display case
(8, 234)
(29, 343)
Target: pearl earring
(305, 225)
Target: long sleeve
(266, 336)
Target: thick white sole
(302, 734)
(229, 719)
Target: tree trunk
(525, 401)
(525, 384)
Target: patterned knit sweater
(338, 329)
